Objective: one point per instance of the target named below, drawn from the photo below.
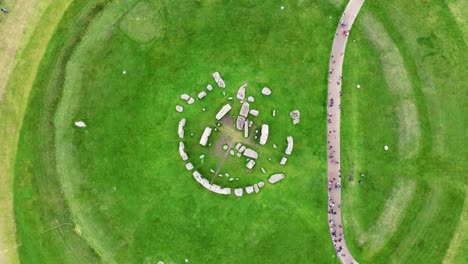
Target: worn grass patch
(393, 64)
(409, 134)
(391, 217)
(143, 23)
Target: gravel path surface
(333, 130)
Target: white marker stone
(266, 91)
(358, 86)
(80, 124)
(282, 7)
(385, 147)
(124, 72)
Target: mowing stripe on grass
(45, 227)
(459, 243)
(397, 80)
(15, 96)
(391, 217)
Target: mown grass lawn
(117, 191)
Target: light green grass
(429, 44)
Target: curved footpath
(333, 130)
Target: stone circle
(253, 136)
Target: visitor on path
(4, 10)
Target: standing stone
(209, 87)
(219, 80)
(264, 134)
(250, 153)
(290, 145)
(250, 164)
(241, 92)
(246, 129)
(249, 189)
(283, 161)
(238, 192)
(185, 97)
(189, 166)
(201, 94)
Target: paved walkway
(333, 130)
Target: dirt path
(333, 130)
(17, 31)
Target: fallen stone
(263, 170)
(239, 155)
(201, 94)
(232, 152)
(209, 87)
(251, 99)
(224, 110)
(225, 147)
(274, 146)
(242, 148)
(191, 100)
(212, 171)
(261, 184)
(250, 164)
(238, 192)
(276, 178)
(202, 156)
(80, 124)
(254, 112)
(204, 137)
(231, 179)
(274, 113)
(266, 91)
(179, 108)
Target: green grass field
(117, 191)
